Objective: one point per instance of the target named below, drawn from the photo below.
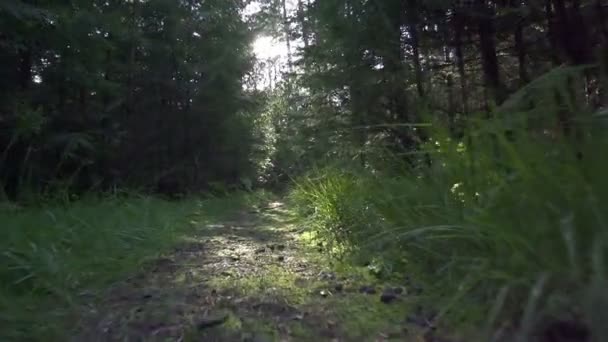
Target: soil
(252, 278)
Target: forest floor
(253, 278)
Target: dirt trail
(250, 279)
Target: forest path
(254, 279)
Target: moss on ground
(266, 279)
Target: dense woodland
(378, 66)
(99, 94)
(150, 94)
(464, 140)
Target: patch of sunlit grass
(272, 283)
(518, 216)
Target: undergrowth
(505, 227)
(57, 256)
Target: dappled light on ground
(249, 279)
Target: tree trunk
(459, 23)
(413, 19)
(572, 34)
(451, 105)
(573, 38)
(551, 35)
(131, 61)
(393, 64)
(62, 82)
(82, 101)
(487, 46)
(25, 69)
(602, 20)
(602, 54)
(520, 46)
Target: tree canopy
(123, 93)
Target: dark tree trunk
(82, 101)
(451, 105)
(572, 34)
(25, 69)
(551, 35)
(600, 9)
(131, 64)
(574, 41)
(602, 53)
(107, 78)
(487, 46)
(11, 163)
(520, 46)
(62, 82)
(393, 67)
(415, 43)
(459, 25)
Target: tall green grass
(53, 256)
(522, 217)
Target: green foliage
(300, 130)
(493, 211)
(332, 200)
(164, 96)
(138, 94)
(54, 256)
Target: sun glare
(265, 47)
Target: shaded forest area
(459, 141)
(150, 95)
(122, 94)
